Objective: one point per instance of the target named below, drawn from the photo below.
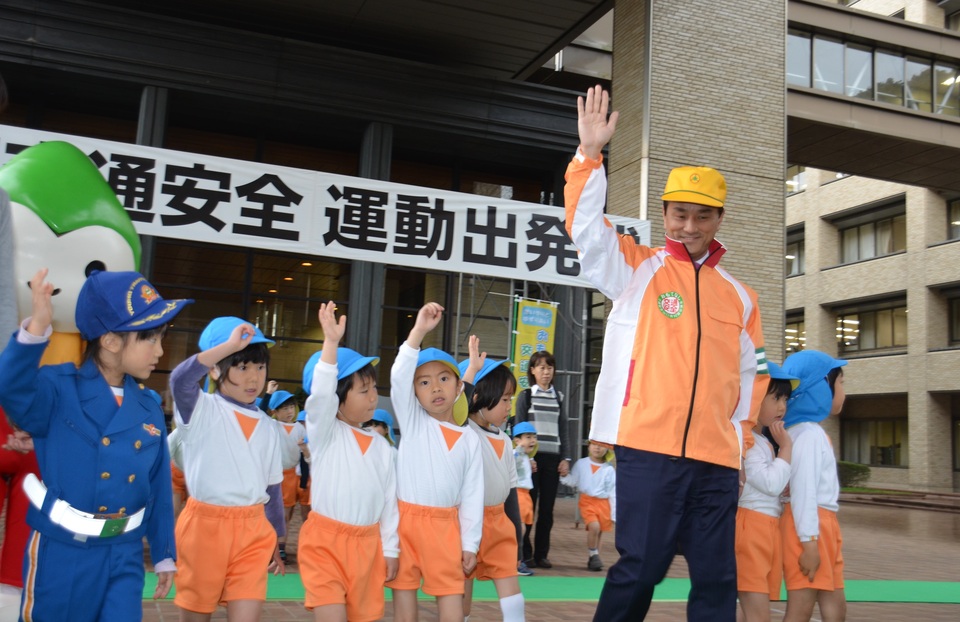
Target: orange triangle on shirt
(247, 424)
(497, 446)
(288, 427)
(595, 467)
(363, 440)
(451, 436)
(119, 399)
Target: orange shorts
(829, 576)
(759, 553)
(289, 487)
(497, 557)
(342, 564)
(594, 510)
(526, 506)
(223, 553)
(430, 549)
(179, 483)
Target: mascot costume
(56, 211)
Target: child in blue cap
(233, 466)
(812, 555)
(524, 448)
(765, 475)
(489, 405)
(100, 441)
(382, 422)
(439, 476)
(349, 545)
(282, 406)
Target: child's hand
(428, 318)
(533, 465)
(809, 559)
(277, 567)
(272, 387)
(779, 432)
(333, 329)
(20, 442)
(393, 565)
(469, 562)
(476, 359)
(241, 336)
(164, 583)
(41, 316)
(564, 468)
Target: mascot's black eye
(94, 265)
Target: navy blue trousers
(665, 506)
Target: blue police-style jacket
(96, 456)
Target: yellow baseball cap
(696, 184)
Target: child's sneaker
(594, 563)
(523, 570)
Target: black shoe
(594, 563)
(542, 563)
(530, 563)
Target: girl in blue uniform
(101, 445)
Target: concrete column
(151, 131)
(367, 278)
(696, 84)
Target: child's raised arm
(239, 339)
(476, 359)
(428, 318)
(333, 331)
(41, 316)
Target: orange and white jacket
(684, 369)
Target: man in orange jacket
(683, 375)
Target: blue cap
(524, 427)
(777, 373)
(349, 362)
(219, 330)
(111, 302)
(811, 401)
(488, 366)
(430, 355)
(279, 398)
(386, 418)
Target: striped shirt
(543, 409)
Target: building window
(951, 21)
(794, 257)
(871, 330)
(858, 71)
(873, 239)
(796, 179)
(954, 305)
(798, 58)
(953, 220)
(794, 335)
(877, 442)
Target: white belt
(72, 519)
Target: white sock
(594, 551)
(512, 608)
(466, 618)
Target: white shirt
(439, 463)
(813, 477)
(767, 476)
(524, 468)
(293, 435)
(499, 465)
(353, 471)
(594, 479)
(222, 466)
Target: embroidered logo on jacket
(151, 429)
(670, 304)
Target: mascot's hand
(20, 442)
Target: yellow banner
(534, 328)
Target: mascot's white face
(70, 258)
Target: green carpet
(587, 589)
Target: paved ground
(880, 543)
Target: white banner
(186, 196)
